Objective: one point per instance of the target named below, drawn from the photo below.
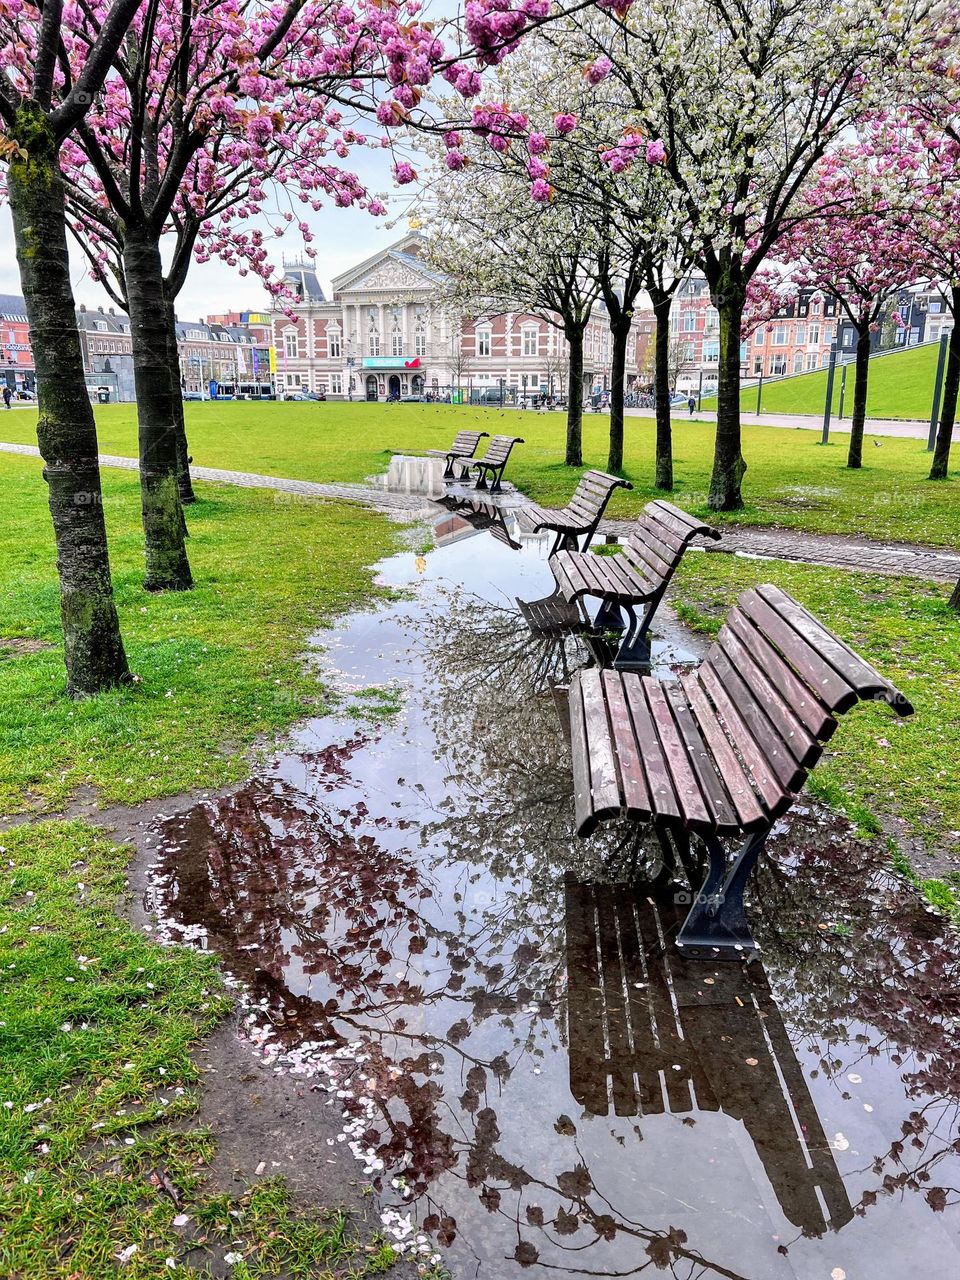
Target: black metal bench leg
(608, 617)
(495, 486)
(448, 469)
(634, 651)
(481, 478)
(716, 926)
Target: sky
(343, 237)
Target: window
(780, 335)
(290, 343)
(333, 344)
(293, 379)
(711, 352)
(828, 334)
(800, 334)
(758, 338)
(336, 384)
(530, 342)
(798, 362)
(689, 351)
(778, 366)
(396, 344)
(811, 359)
(757, 366)
(373, 344)
(419, 343)
(483, 342)
(689, 322)
(713, 320)
(935, 306)
(814, 338)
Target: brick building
(388, 330)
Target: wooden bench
(492, 464)
(721, 752)
(637, 575)
(464, 446)
(580, 517)
(647, 1037)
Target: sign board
(391, 362)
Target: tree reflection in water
(483, 958)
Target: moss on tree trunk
(184, 479)
(618, 375)
(859, 417)
(167, 566)
(574, 452)
(663, 465)
(66, 431)
(729, 467)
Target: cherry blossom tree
(858, 252)
(53, 63)
(739, 103)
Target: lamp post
(828, 402)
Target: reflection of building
(653, 1033)
(387, 330)
(107, 350)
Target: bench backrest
(777, 679)
(662, 535)
(498, 450)
(591, 496)
(465, 442)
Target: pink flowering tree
(739, 103)
(852, 246)
(54, 61)
(918, 149)
(212, 110)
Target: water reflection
(416, 889)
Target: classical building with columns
(389, 331)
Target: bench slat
(804, 748)
(752, 813)
(655, 766)
(604, 783)
(586, 816)
(762, 774)
(780, 759)
(636, 792)
(830, 687)
(721, 807)
(798, 694)
(682, 774)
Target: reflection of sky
(343, 237)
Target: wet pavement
(529, 1070)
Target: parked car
(303, 395)
(22, 393)
(413, 399)
(193, 395)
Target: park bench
(637, 575)
(464, 446)
(580, 517)
(492, 464)
(721, 752)
(648, 1037)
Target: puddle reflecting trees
(559, 1088)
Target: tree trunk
(620, 334)
(574, 454)
(184, 481)
(728, 464)
(955, 598)
(948, 405)
(663, 473)
(163, 525)
(66, 432)
(858, 419)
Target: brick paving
(898, 559)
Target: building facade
(389, 331)
(16, 355)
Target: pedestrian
(7, 396)
(692, 404)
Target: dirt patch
(17, 646)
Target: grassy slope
(792, 480)
(96, 1079)
(900, 386)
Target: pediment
(388, 274)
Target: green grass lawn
(792, 480)
(900, 386)
(97, 1022)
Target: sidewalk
(906, 429)
(930, 564)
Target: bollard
(759, 392)
(843, 390)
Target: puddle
(530, 1071)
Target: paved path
(910, 430)
(927, 563)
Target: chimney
(100, 309)
(111, 310)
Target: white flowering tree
(738, 103)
